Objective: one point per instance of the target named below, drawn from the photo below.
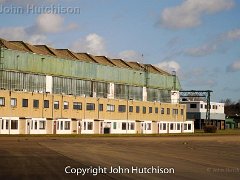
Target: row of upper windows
(91, 106)
(193, 106)
(122, 108)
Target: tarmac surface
(192, 157)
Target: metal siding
(50, 65)
(213, 116)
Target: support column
(111, 91)
(49, 84)
(144, 95)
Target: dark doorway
(106, 130)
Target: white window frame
(110, 107)
(2, 101)
(13, 102)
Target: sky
(199, 39)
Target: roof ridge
(75, 57)
(24, 44)
(108, 59)
(48, 48)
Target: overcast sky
(199, 39)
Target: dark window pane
(36, 103)
(121, 108)
(137, 109)
(90, 106)
(56, 105)
(144, 110)
(25, 103)
(150, 109)
(130, 108)
(46, 103)
(100, 107)
(77, 105)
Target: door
(107, 128)
(143, 127)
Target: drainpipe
(54, 122)
(127, 118)
(10, 115)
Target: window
(77, 105)
(201, 106)
(56, 105)
(189, 127)
(168, 110)
(171, 126)
(124, 126)
(185, 126)
(2, 101)
(110, 107)
(160, 126)
(36, 103)
(206, 106)
(46, 103)
(65, 105)
(175, 111)
(131, 126)
(35, 125)
(144, 110)
(182, 112)
(162, 110)
(148, 126)
(42, 124)
(67, 125)
(193, 105)
(156, 110)
(13, 102)
(150, 109)
(90, 106)
(114, 125)
(137, 109)
(7, 121)
(2, 124)
(25, 103)
(61, 125)
(164, 126)
(121, 108)
(90, 125)
(178, 126)
(130, 108)
(100, 107)
(14, 124)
